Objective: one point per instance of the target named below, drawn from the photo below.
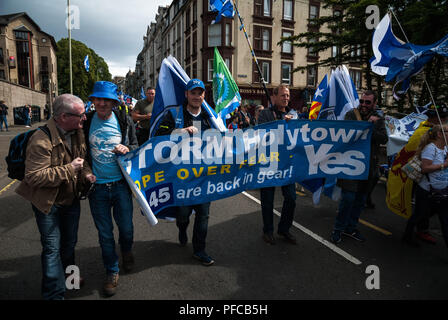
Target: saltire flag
(223, 7)
(225, 91)
(320, 99)
(86, 63)
(342, 96)
(142, 93)
(399, 61)
(170, 93)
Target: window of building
(286, 73)
(2, 59)
(335, 51)
(266, 40)
(214, 35)
(228, 30)
(314, 12)
(356, 77)
(210, 70)
(195, 70)
(227, 62)
(187, 19)
(311, 50)
(262, 38)
(2, 74)
(267, 8)
(286, 45)
(288, 12)
(262, 8)
(265, 67)
(311, 77)
(195, 42)
(187, 47)
(195, 12)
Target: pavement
(5, 139)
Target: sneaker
(425, 236)
(336, 236)
(288, 237)
(355, 234)
(110, 285)
(128, 261)
(269, 238)
(183, 238)
(205, 259)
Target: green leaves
(83, 81)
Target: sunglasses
(84, 196)
(367, 102)
(80, 116)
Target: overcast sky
(113, 28)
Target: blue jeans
(200, 223)
(3, 119)
(267, 208)
(350, 208)
(58, 235)
(106, 196)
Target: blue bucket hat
(105, 89)
(195, 83)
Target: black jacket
(128, 137)
(271, 114)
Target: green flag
(225, 91)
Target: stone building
(28, 64)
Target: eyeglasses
(80, 116)
(367, 102)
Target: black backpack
(17, 153)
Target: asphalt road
(246, 267)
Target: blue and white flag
(142, 93)
(343, 96)
(224, 7)
(86, 63)
(399, 61)
(170, 93)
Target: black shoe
(183, 238)
(269, 238)
(288, 237)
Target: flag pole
(426, 82)
(253, 55)
(70, 45)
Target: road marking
(8, 186)
(374, 227)
(313, 235)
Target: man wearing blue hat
(190, 118)
(110, 133)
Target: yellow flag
(399, 187)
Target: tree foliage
(423, 21)
(83, 81)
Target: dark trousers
(200, 223)
(267, 208)
(58, 235)
(424, 209)
(142, 136)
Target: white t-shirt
(439, 178)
